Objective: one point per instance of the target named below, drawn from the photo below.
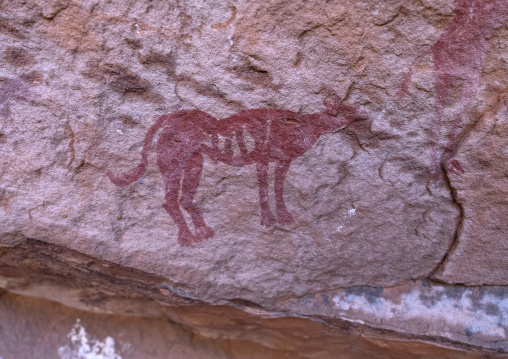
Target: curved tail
(136, 173)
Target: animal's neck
(327, 123)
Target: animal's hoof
(268, 220)
(284, 217)
(204, 233)
(185, 239)
(455, 168)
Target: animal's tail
(351, 113)
(136, 173)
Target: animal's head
(337, 115)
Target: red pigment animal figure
(180, 161)
(279, 136)
(459, 59)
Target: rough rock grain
(363, 214)
(50, 331)
(400, 180)
(480, 255)
(417, 320)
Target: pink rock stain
(12, 91)
(279, 136)
(459, 59)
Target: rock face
(254, 154)
(480, 256)
(51, 330)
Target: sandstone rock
(469, 315)
(420, 320)
(50, 330)
(480, 255)
(349, 194)
(381, 187)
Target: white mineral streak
(350, 213)
(452, 311)
(84, 347)
(231, 32)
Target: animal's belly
(289, 147)
(288, 152)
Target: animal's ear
(332, 104)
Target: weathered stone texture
(362, 212)
(357, 322)
(480, 256)
(50, 330)
(402, 180)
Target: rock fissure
(456, 235)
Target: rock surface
(420, 320)
(362, 211)
(400, 183)
(50, 330)
(480, 256)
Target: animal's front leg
(283, 216)
(267, 218)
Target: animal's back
(186, 129)
(278, 134)
(253, 119)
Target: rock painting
(278, 136)
(459, 58)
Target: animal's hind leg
(468, 92)
(190, 183)
(443, 86)
(267, 218)
(172, 179)
(283, 216)
(469, 89)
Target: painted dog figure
(279, 136)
